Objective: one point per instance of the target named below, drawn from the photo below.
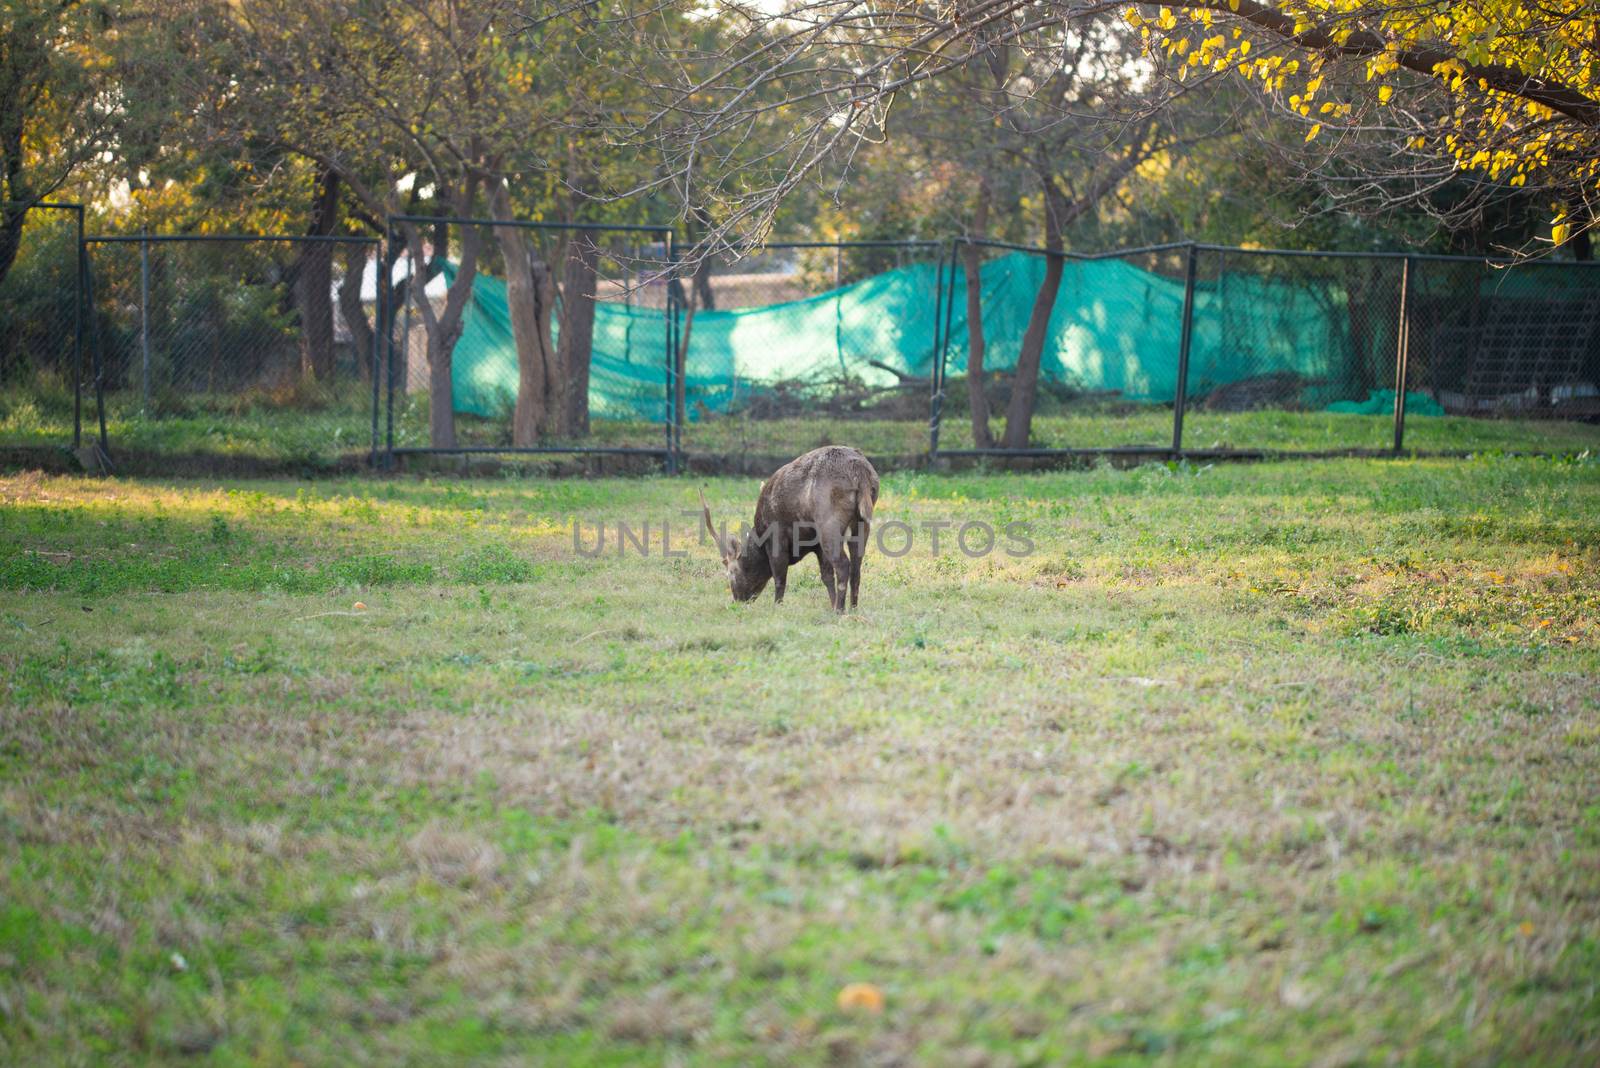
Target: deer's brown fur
(820, 503)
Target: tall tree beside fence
(1055, 133)
(313, 282)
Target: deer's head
(745, 562)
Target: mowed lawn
(1258, 764)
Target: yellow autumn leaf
(1384, 93)
(1314, 131)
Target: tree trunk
(700, 295)
(356, 259)
(530, 292)
(576, 344)
(313, 284)
(530, 295)
(1365, 371)
(12, 222)
(977, 400)
(441, 394)
(703, 296)
(13, 192)
(1059, 213)
(700, 287)
(541, 373)
(680, 370)
(1025, 385)
(443, 329)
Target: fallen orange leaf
(862, 996)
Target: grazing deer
(820, 503)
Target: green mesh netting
(888, 318)
(1115, 329)
(1381, 402)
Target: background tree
(1440, 108)
(1033, 133)
(56, 114)
(1465, 111)
(390, 99)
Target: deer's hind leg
(826, 569)
(835, 568)
(857, 544)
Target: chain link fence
(546, 339)
(801, 344)
(1211, 351)
(1292, 352)
(236, 350)
(219, 352)
(1107, 351)
(41, 319)
(1502, 357)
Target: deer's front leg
(780, 576)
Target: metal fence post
(144, 326)
(1185, 338)
(379, 302)
(945, 276)
(674, 432)
(98, 356)
(1402, 355)
(77, 338)
(387, 342)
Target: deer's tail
(865, 492)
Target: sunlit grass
(1265, 764)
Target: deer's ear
(730, 548)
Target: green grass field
(340, 432)
(1263, 764)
